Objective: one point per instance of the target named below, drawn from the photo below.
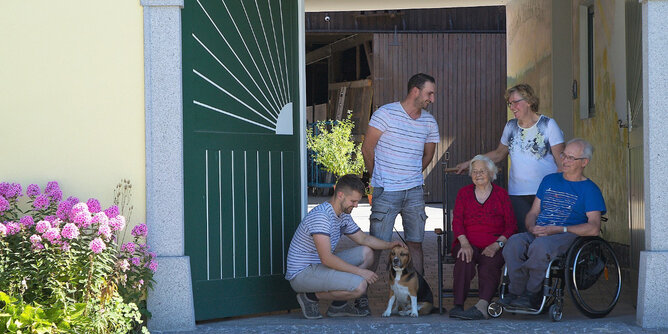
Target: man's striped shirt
(321, 220)
(398, 154)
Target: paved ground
(621, 320)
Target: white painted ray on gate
(234, 97)
(243, 40)
(231, 115)
(278, 55)
(266, 41)
(237, 80)
(260, 50)
(229, 46)
(285, 57)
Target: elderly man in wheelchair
(568, 206)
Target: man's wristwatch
(565, 229)
(501, 243)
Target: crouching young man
(315, 272)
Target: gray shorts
(388, 204)
(320, 278)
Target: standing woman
(534, 142)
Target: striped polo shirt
(398, 154)
(321, 220)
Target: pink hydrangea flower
(105, 231)
(42, 226)
(4, 204)
(65, 247)
(52, 234)
(51, 187)
(100, 218)
(70, 231)
(27, 221)
(33, 190)
(140, 230)
(50, 218)
(153, 266)
(136, 261)
(37, 246)
(94, 205)
(12, 228)
(112, 211)
(4, 187)
(3, 230)
(97, 245)
(41, 202)
(35, 239)
(56, 222)
(117, 223)
(80, 207)
(128, 247)
(56, 195)
(11, 190)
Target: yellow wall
(529, 38)
(72, 96)
(608, 168)
(530, 45)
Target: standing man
(399, 144)
(567, 205)
(315, 272)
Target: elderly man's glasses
(512, 103)
(569, 157)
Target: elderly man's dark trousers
(527, 258)
(489, 275)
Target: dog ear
(409, 263)
(389, 261)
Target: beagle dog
(409, 292)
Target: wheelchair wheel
(593, 277)
(494, 310)
(556, 312)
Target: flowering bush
(60, 268)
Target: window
(587, 68)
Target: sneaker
(507, 299)
(310, 308)
(456, 312)
(347, 310)
(472, 314)
(362, 304)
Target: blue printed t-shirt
(321, 220)
(398, 153)
(566, 203)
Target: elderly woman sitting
(483, 221)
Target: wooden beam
(369, 55)
(340, 45)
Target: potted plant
(334, 149)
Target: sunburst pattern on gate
(258, 65)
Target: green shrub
(334, 149)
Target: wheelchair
(589, 271)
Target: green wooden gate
(241, 152)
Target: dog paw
(386, 313)
(414, 314)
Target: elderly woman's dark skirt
(489, 274)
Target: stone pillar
(171, 300)
(653, 271)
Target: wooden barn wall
(439, 19)
(470, 73)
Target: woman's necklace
(482, 195)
